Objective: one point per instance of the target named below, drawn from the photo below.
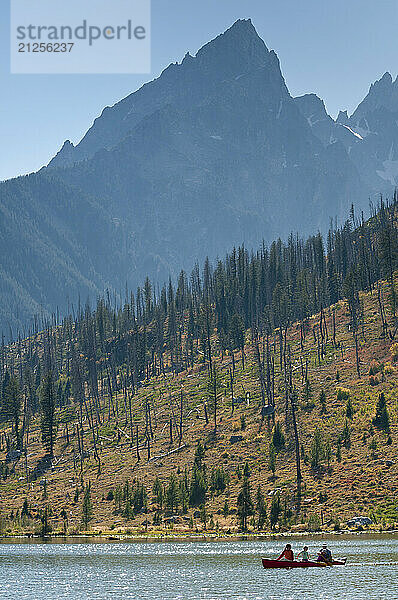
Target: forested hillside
(258, 393)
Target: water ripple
(192, 570)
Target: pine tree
(272, 459)
(198, 485)
(322, 401)
(346, 435)
(48, 424)
(3, 387)
(25, 508)
(87, 507)
(245, 503)
(388, 252)
(172, 494)
(275, 510)
(45, 522)
(157, 492)
(328, 452)
(338, 450)
(203, 514)
(381, 418)
(278, 438)
(261, 508)
(349, 412)
(12, 403)
(236, 332)
(317, 449)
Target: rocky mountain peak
(238, 49)
(311, 106)
(342, 117)
(383, 93)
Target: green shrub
(394, 352)
(381, 418)
(343, 395)
(314, 522)
(278, 438)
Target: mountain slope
(215, 152)
(283, 359)
(361, 481)
(52, 241)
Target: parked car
(357, 521)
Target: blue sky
(333, 48)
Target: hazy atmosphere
(199, 300)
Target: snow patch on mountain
(357, 135)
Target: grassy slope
(362, 483)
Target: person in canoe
(325, 555)
(305, 557)
(287, 554)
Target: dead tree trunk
(231, 378)
(136, 439)
(181, 409)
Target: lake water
(194, 570)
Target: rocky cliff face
(369, 135)
(232, 54)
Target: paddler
(287, 554)
(325, 555)
(305, 557)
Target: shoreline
(92, 538)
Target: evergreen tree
(3, 387)
(48, 424)
(275, 510)
(12, 404)
(328, 452)
(157, 492)
(346, 435)
(25, 508)
(203, 514)
(236, 332)
(322, 401)
(381, 418)
(272, 459)
(338, 450)
(198, 485)
(261, 508)
(46, 527)
(87, 507)
(388, 252)
(349, 412)
(245, 503)
(317, 449)
(278, 438)
(172, 494)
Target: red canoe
(269, 563)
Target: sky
(335, 49)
